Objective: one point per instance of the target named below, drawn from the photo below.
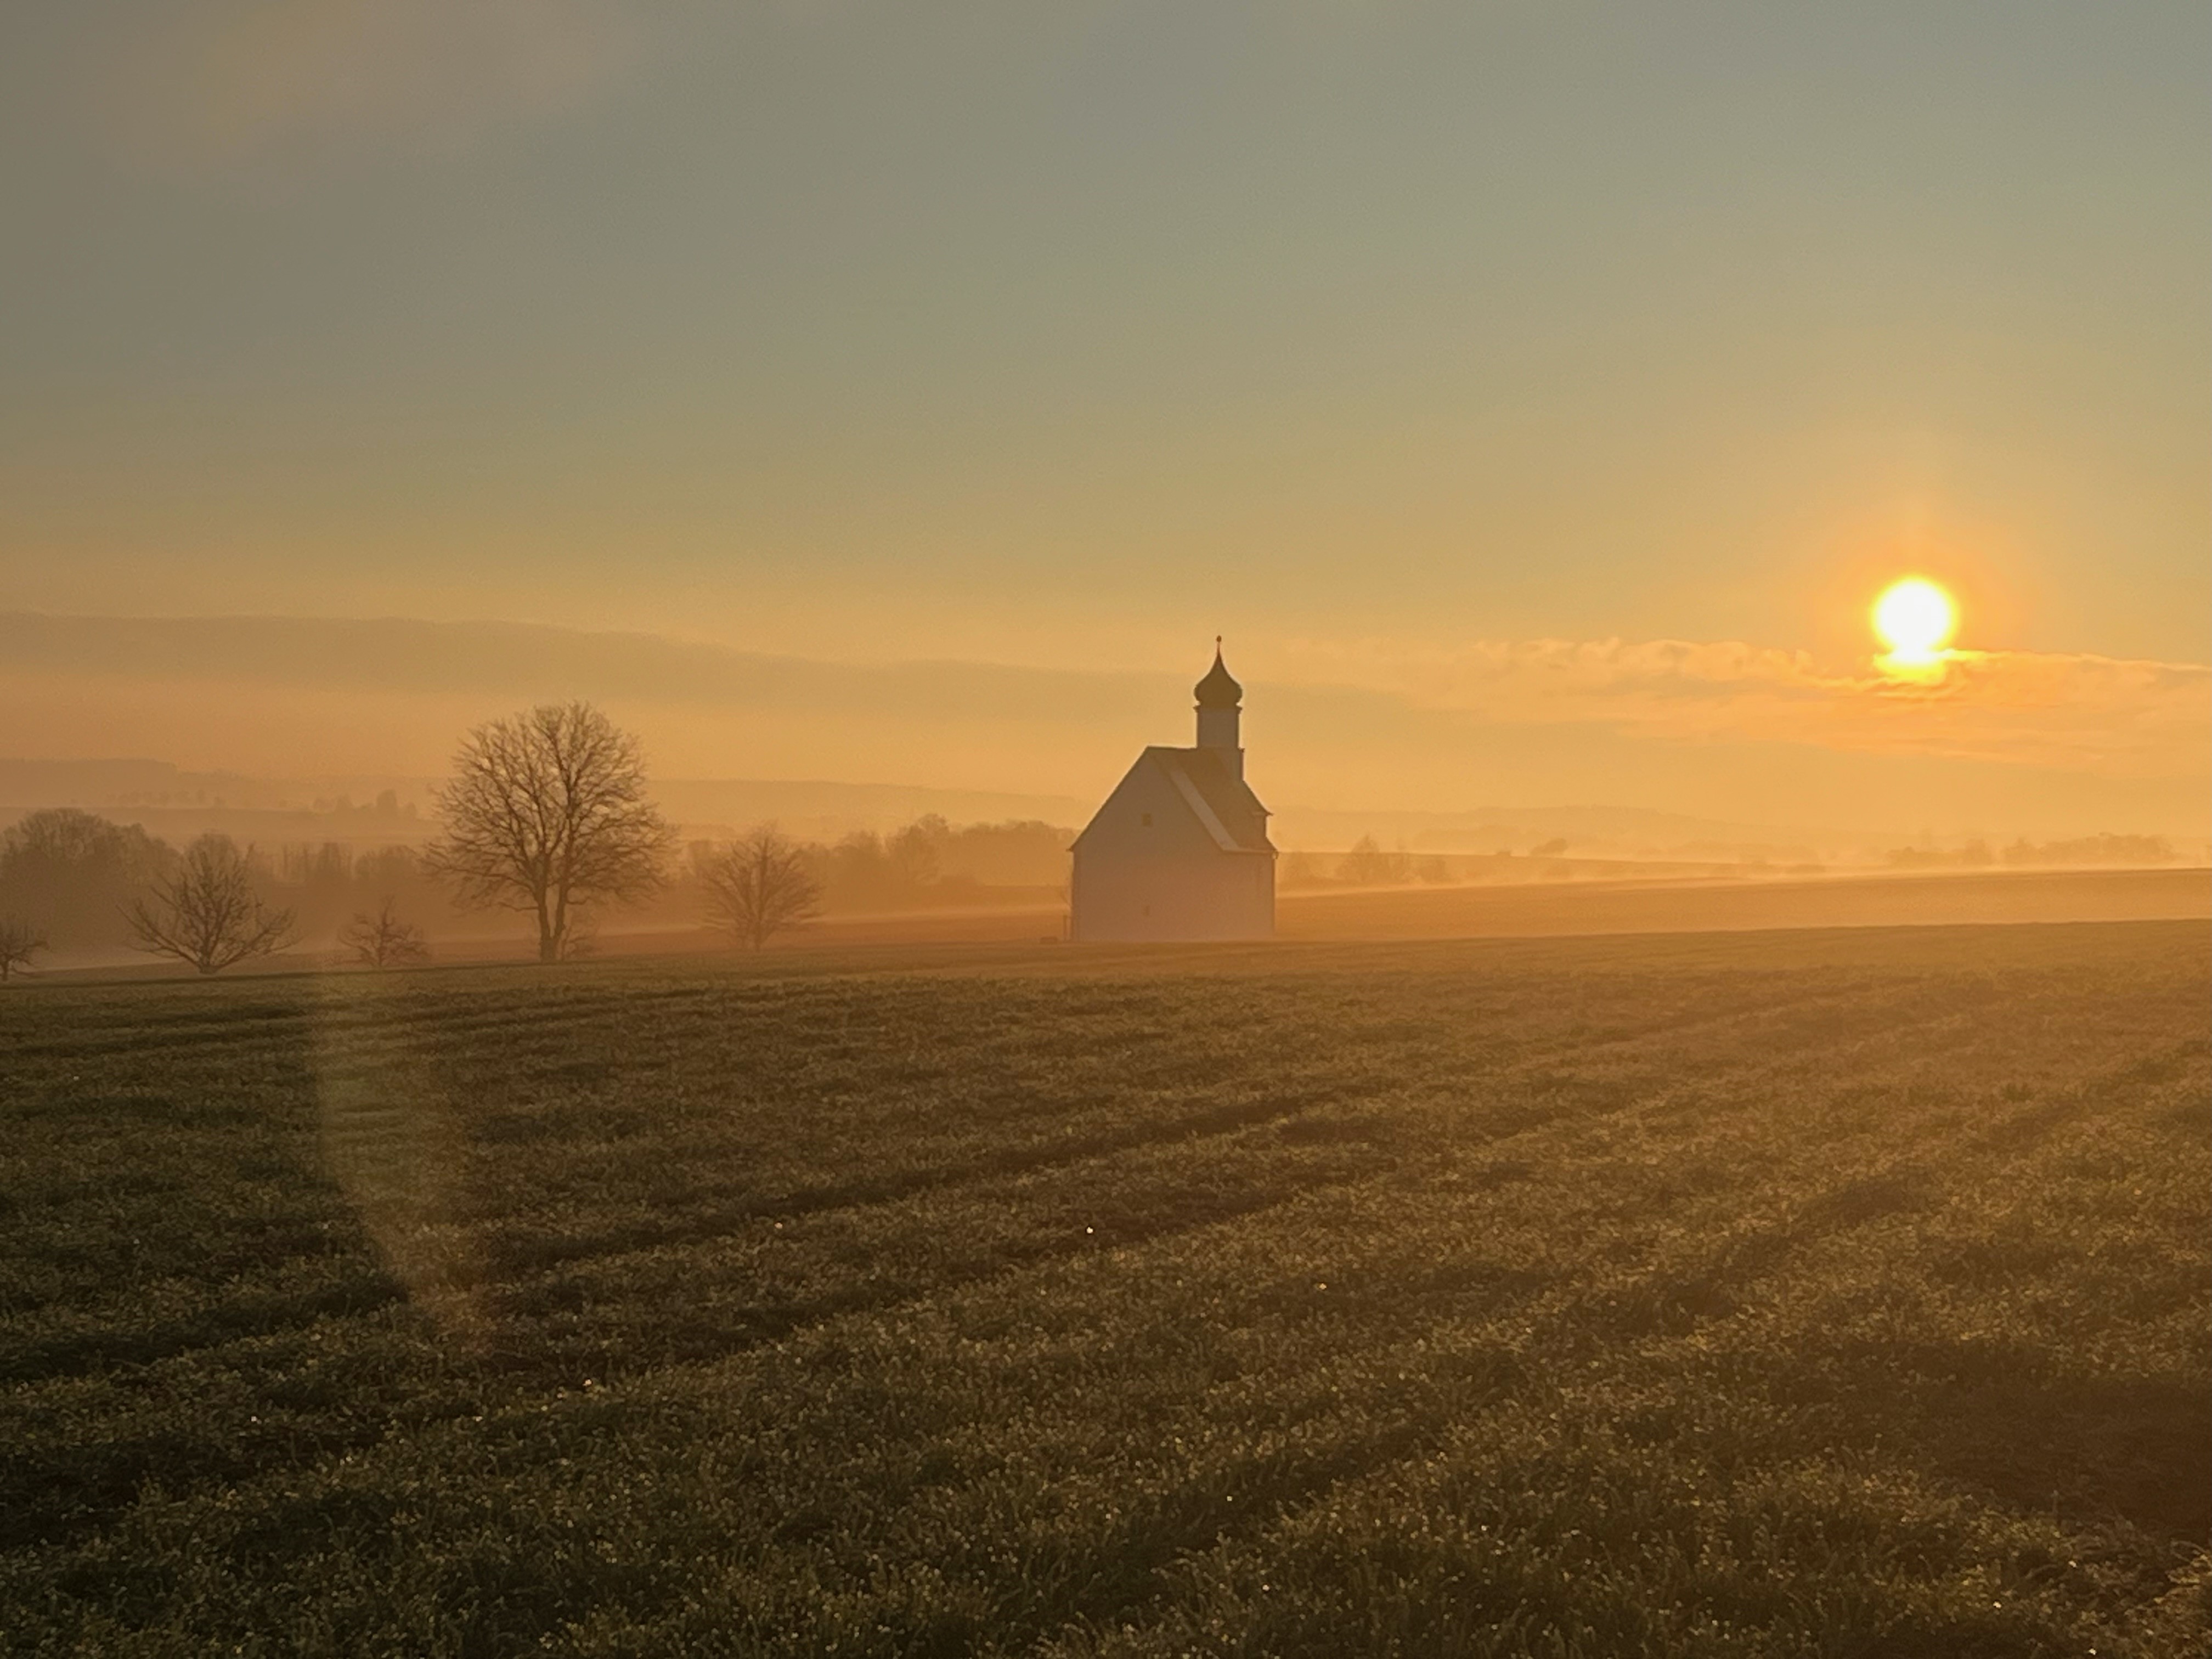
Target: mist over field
(348, 839)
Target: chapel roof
(1220, 801)
(1223, 803)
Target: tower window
(1148, 820)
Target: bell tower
(1219, 714)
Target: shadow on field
(395, 1145)
(1994, 1416)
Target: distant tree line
(71, 880)
(2080, 851)
(764, 882)
(67, 876)
(930, 862)
(547, 814)
(1367, 864)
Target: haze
(1535, 397)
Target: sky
(1535, 395)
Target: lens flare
(1914, 619)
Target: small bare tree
(758, 886)
(19, 943)
(546, 813)
(382, 940)
(207, 913)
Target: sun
(1916, 620)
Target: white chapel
(1180, 849)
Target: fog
(82, 844)
(316, 748)
(274, 714)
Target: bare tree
(759, 885)
(546, 813)
(19, 943)
(382, 940)
(207, 913)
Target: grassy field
(1841, 1293)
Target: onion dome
(1217, 690)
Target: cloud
(224, 81)
(2078, 713)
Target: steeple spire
(1218, 717)
(1219, 690)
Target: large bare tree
(547, 813)
(759, 885)
(206, 912)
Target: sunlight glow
(1915, 619)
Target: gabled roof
(1222, 802)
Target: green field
(1841, 1293)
